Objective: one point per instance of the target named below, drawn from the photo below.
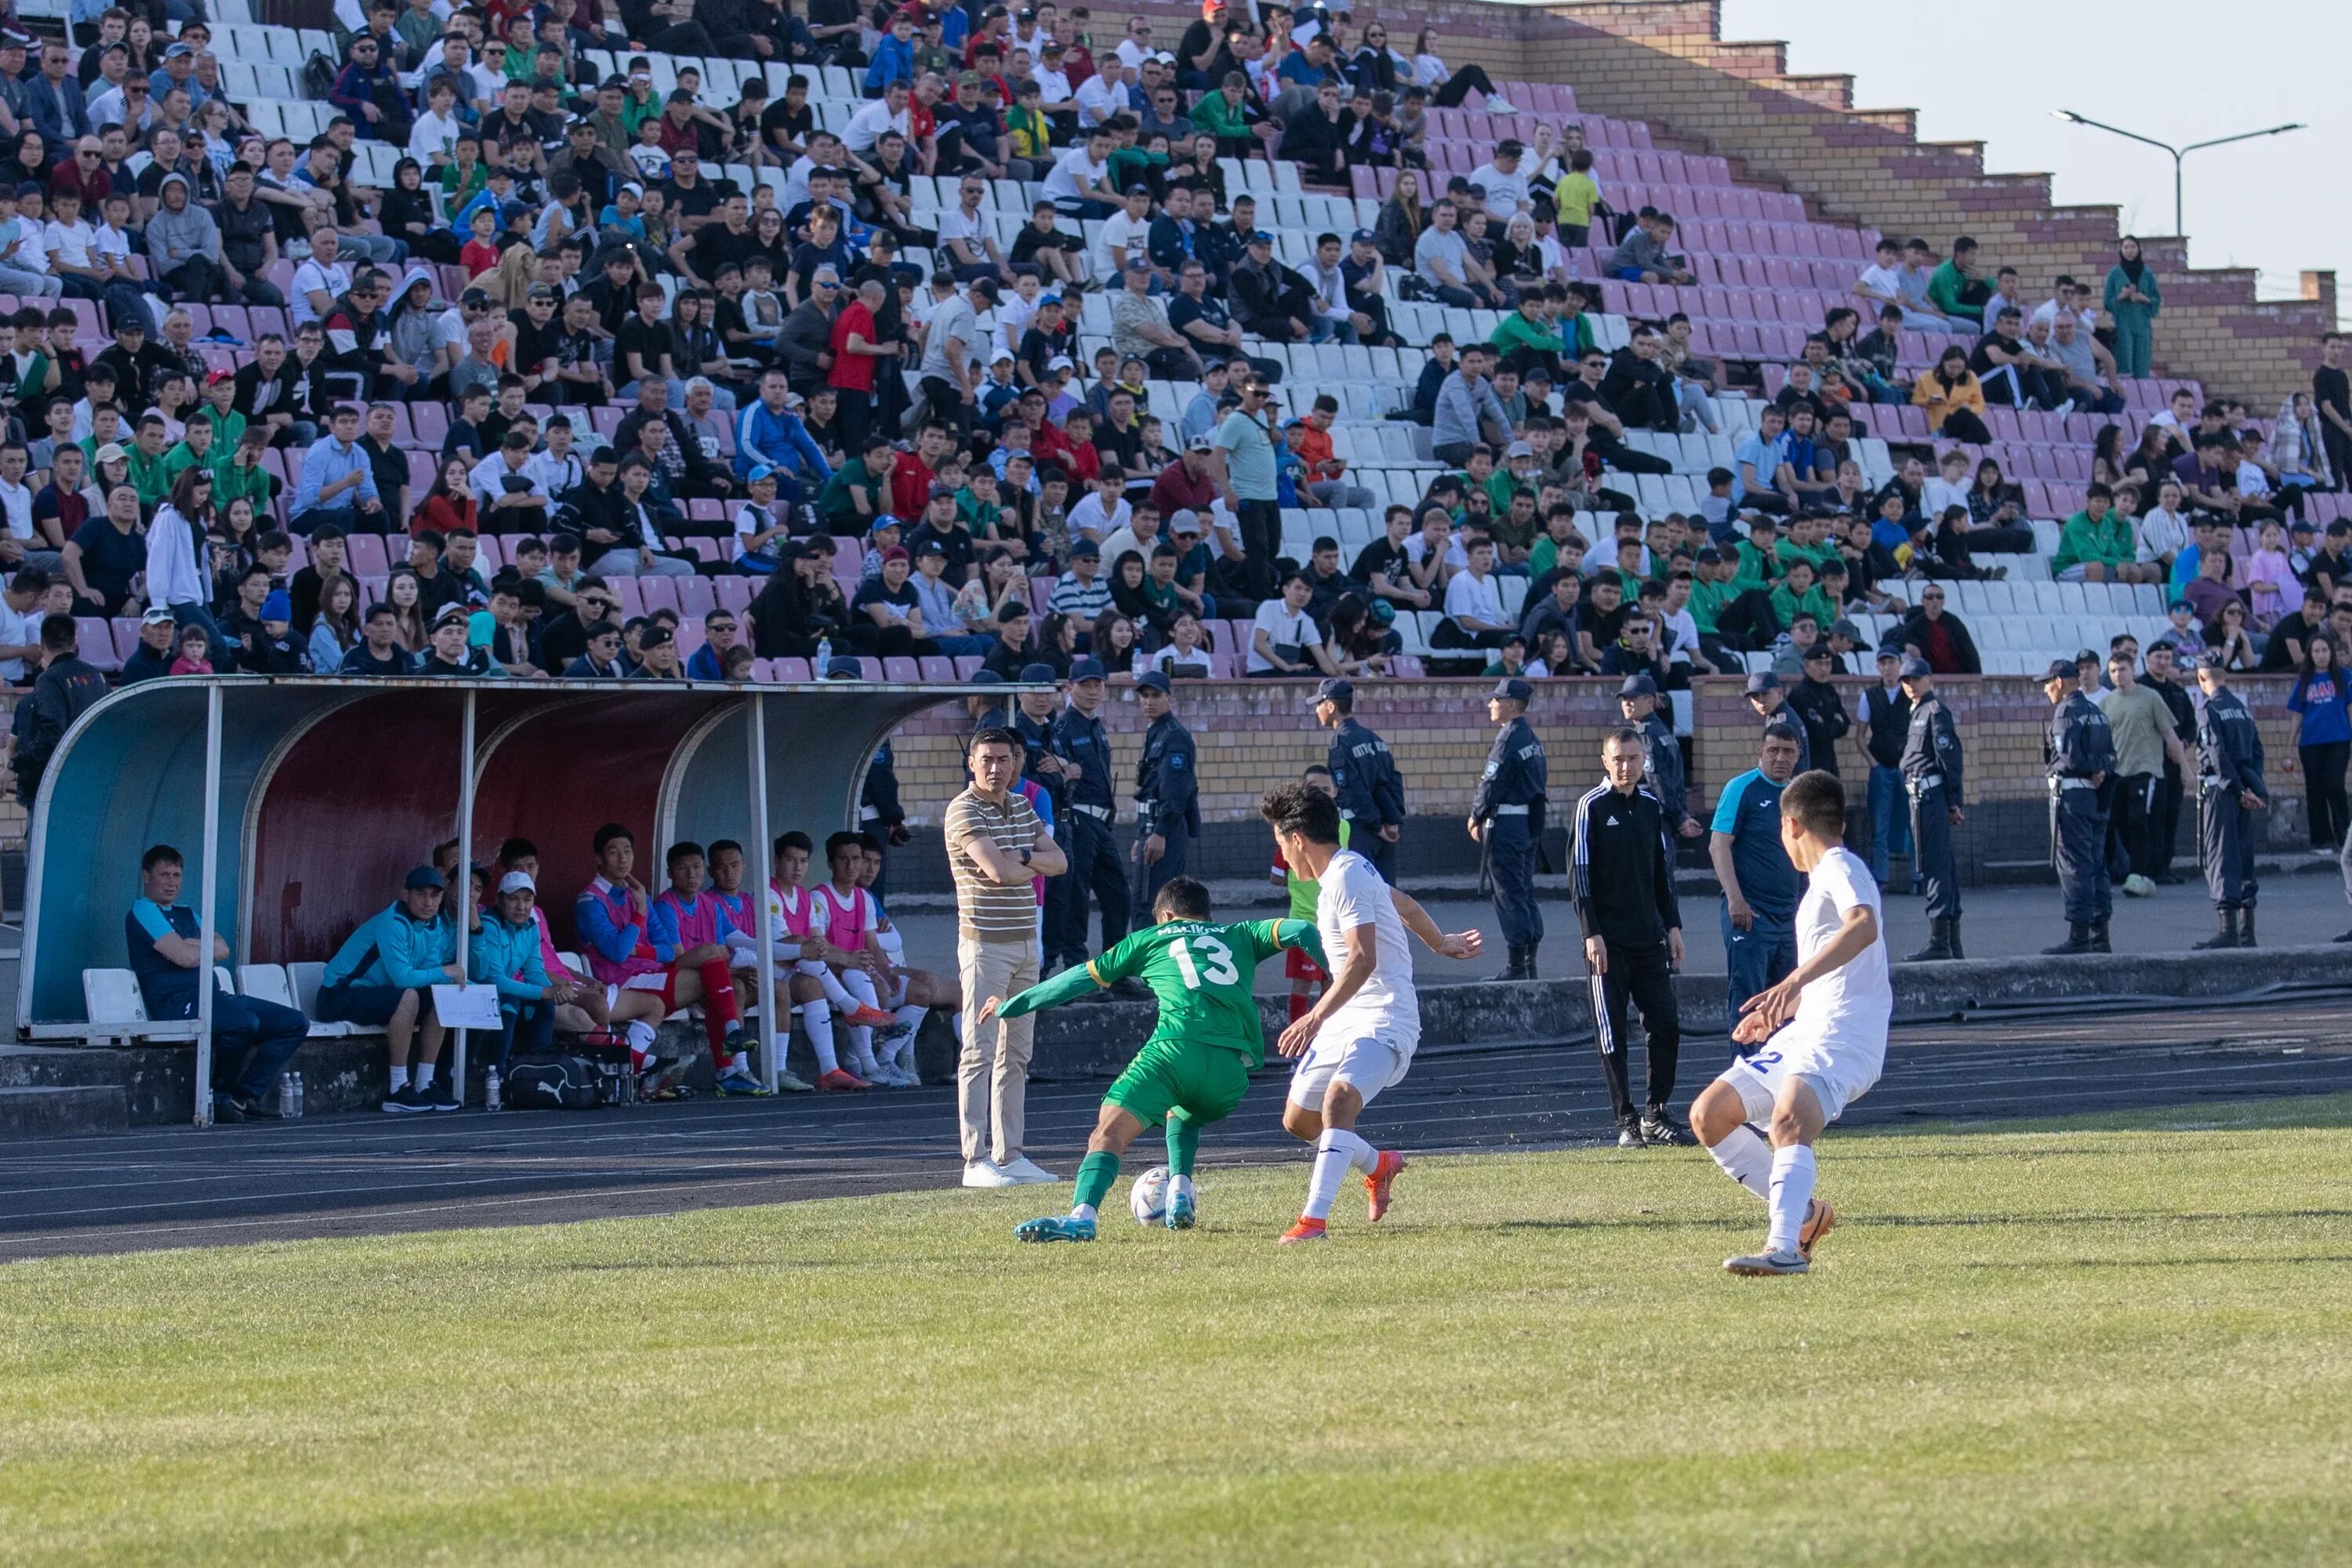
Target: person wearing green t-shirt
(1759, 561)
(1195, 1067)
(1799, 594)
(195, 450)
(1562, 546)
(146, 457)
(858, 491)
(1711, 590)
(1526, 327)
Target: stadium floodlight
(2178, 154)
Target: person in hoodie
(382, 978)
(505, 952)
(184, 243)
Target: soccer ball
(1147, 1200)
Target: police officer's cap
(985, 678)
(1763, 680)
(1515, 689)
(1085, 669)
(1040, 672)
(2212, 658)
(1335, 690)
(1638, 686)
(1916, 668)
(1153, 680)
(2060, 670)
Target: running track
(354, 1176)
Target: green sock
(1183, 1143)
(1096, 1173)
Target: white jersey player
(1359, 1037)
(1821, 1034)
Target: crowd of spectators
(790, 377)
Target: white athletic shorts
(1837, 1078)
(1367, 1063)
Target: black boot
(2099, 936)
(1939, 945)
(2078, 940)
(2225, 934)
(2246, 926)
(1952, 936)
(1519, 965)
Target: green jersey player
(1195, 1067)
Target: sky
(2171, 70)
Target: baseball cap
(1085, 549)
(1761, 681)
(845, 670)
(928, 547)
(1842, 627)
(159, 615)
(1200, 444)
(899, 552)
(425, 877)
(111, 452)
(1517, 450)
(2176, 605)
(1914, 668)
(517, 882)
(762, 472)
(883, 522)
(1517, 691)
(1186, 521)
(1335, 690)
(2060, 670)
(539, 291)
(1364, 236)
(1153, 680)
(1638, 686)
(1085, 669)
(1037, 672)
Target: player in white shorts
(1359, 1037)
(1821, 1034)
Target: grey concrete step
(63, 1111)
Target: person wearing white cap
(504, 953)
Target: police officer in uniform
(1506, 820)
(1931, 778)
(1662, 763)
(1167, 791)
(1769, 701)
(1372, 795)
(1080, 740)
(986, 707)
(2081, 754)
(2230, 785)
(1033, 720)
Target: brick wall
(1255, 733)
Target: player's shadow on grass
(2233, 1261)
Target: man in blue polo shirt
(252, 1039)
(1759, 885)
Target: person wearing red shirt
(913, 474)
(1187, 484)
(856, 357)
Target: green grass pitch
(2095, 1342)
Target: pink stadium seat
(430, 422)
(967, 665)
(936, 667)
(367, 555)
(734, 593)
(126, 637)
(696, 597)
(868, 669)
(94, 641)
(794, 670)
(903, 670)
(629, 591)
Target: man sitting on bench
(382, 978)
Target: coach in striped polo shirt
(995, 848)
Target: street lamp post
(2178, 154)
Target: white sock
(861, 1051)
(826, 977)
(1747, 1159)
(641, 1042)
(1337, 1152)
(740, 1062)
(861, 986)
(1083, 1211)
(423, 1075)
(816, 1017)
(912, 1017)
(399, 1078)
(1792, 1191)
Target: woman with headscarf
(2133, 300)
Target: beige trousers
(992, 1071)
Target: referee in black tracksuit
(1623, 884)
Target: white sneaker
(1499, 106)
(2138, 887)
(1765, 1264)
(981, 1174)
(1025, 1172)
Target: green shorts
(1206, 1082)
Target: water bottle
(492, 1092)
(297, 1096)
(823, 658)
(286, 1097)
